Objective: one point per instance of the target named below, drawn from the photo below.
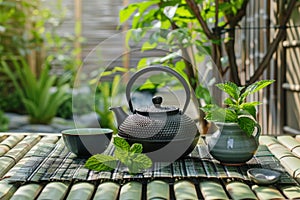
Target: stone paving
(19, 123)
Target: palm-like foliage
(41, 103)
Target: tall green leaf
(126, 13)
(256, 87)
(35, 92)
(230, 88)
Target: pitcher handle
(258, 131)
(158, 68)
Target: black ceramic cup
(85, 142)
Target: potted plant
(236, 138)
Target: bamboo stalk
(78, 29)
(126, 55)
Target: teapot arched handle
(157, 68)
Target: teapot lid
(157, 108)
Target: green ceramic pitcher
(230, 145)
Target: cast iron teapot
(157, 122)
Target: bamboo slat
(185, 190)
(81, 191)
(239, 190)
(11, 141)
(107, 190)
(5, 164)
(264, 192)
(32, 159)
(267, 140)
(280, 151)
(23, 147)
(54, 190)
(288, 141)
(3, 149)
(291, 143)
(131, 190)
(292, 165)
(7, 190)
(158, 189)
(27, 192)
(212, 190)
(297, 138)
(3, 137)
(291, 192)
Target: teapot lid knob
(157, 100)
(157, 108)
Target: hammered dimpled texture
(158, 128)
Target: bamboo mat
(45, 158)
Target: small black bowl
(85, 142)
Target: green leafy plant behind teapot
(237, 109)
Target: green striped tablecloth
(50, 160)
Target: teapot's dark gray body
(165, 132)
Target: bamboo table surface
(38, 166)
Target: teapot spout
(120, 114)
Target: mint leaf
(138, 163)
(121, 143)
(250, 108)
(255, 87)
(136, 148)
(143, 161)
(217, 114)
(258, 86)
(229, 101)
(247, 124)
(100, 162)
(132, 157)
(230, 116)
(121, 154)
(230, 88)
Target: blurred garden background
(44, 44)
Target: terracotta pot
(230, 145)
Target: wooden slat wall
(251, 45)
(280, 108)
(99, 26)
(291, 80)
